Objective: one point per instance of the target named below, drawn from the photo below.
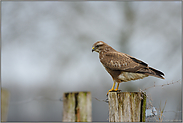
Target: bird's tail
(152, 72)
(157, 73)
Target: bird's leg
(117, 87)
(112, 89)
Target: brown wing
(122, 61)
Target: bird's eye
(97, 46)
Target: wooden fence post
(4, 104)
(127, 106)
(77, 107)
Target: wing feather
(122, 61)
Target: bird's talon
(115, 90)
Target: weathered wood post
(127, 106)
(4, 104)
(77, 107)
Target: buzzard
(123, 67)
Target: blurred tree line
(46, 50)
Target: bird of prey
(123, 67)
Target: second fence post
(77, 107)
(127, 106)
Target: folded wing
(123, 62)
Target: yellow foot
(113, 90)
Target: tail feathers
(158, 73)
(152, 72)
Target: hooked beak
(93, 49)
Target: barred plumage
(123, 67)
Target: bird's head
(98, 46)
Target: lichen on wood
(126, 107)
(77, 107)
